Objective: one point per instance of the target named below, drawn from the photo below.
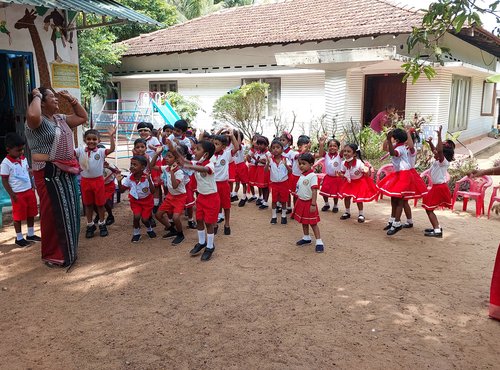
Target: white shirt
(294, 157)
(153, 141)
(206, 180)
(221, 164)
(353, 169)
(184, 141)
(401, 161)
(91, 162)
(332, 164)
(179, 175)
(279, 171)
(109, 173)
(239, 156)
(17, 172)
(307, 182)
(137, 190)
(438, 171)
(253, 155)
(260, 155)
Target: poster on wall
(65, 75)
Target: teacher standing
(50, 139)
(384, 118)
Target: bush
(460, 168)
(186, 107)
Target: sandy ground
(369, 302)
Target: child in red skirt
(241, 170)
(141, 190)
(402, 184)
(145, 130)
(306, 209)
(332, 182)
(357, 185)
(16, 180)
(287, 141)
(208, 201)
(439, 195)
(261, 176)
(279, 168)
(252, 168)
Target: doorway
(381, 90)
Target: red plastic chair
(385, 170)
(494, 198)
(426, 176)
(321, 175)
(477, 190)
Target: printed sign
(65, 75)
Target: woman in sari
(50, 139)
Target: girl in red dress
(332, 182)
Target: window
(488, 102)
(163, 86)
(459, 103)
(273, 94)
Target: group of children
(207, 174)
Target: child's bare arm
(6, 185)
(439, 147)
(112, 143)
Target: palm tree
(189, 9)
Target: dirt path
(369, 302)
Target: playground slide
(166, 112)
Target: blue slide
(167, 112)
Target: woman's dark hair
(334, 140)
(184, 151)
(140, 141)
(400, 135)
(181, 125)
(449, 150)
(91, 132)
(277, 142)
(208, 147)
(303, 140)
(14, 140)
(307, 157)
(356, 151)
(43, 91)
(390, 106)
(221, 138)
(141, 159)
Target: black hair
(91, 132)
(449, 150)
(193, 139)
(277, 142)
(415, 137)
(356, 150)
(182, 125)
(13, 140)
(184, 151)
(139, 141)
(288, 136)
(101, 146)
(303, 139)
(238, 134)
(147, 125)
(43, 90)
(141, 159)
(208, 147)
(168, 127)
(334, 140)
(262, 140)
(221, 138)
(307, 157)
(400, 135)
(389, 106)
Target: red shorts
(279, 191)
(232, 171)
(207, 208)
(142, 207)
(156, 177)
(224, 194)
(190, 201)
(262, 177)
(173, 203)
(93, 191)
(109, 190)
(252, 174)
(241, 173)
(292, 182)
(25, 206)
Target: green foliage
(190, 9)
(187, 108)
(233, 3)
(460, 168)
(243, 108)
(370, 144)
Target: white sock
(233, 194)
(149, 228)
(327, 204)
(264, 203)
(274, 213)
(210, 241)
(396, 224)
(278, 204)
(31, 231)
(201, 237)
(283, 213)
(190, 219)
(439, 231)
(409, 220)
(319, 241)
(244, 196)
(261, 197)
(289, 208)
(19, 236)
(348, 210)
(391, 220)
(102, 223)
(361, 213)
(306, 237)
(221, 215)
(90, 223)
(156, 201)
(137, 231)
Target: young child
(279, 167)
(208, 201)
(332, 182)
(141, 190)
(221, 158)
(167, 130)
(262, 177)
(287, 140)
(175, 201)
(305, 211)
(252, 168)
(178, 135)
(241, 170)
(439, 194)
(91, 159)
(402, 183)
(357, 186)
(145, 130)
(16, 180)
(110, 172)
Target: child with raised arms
(141, 190)
(286, 140)
(305, 210)
(279, 168)
(91, 159)
(252, 168)
(16, 180)
(145, 130)
(332, 182)
(241, 170)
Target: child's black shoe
(191, 225)
(220, 220)
(263, 206)
(207, 254)
(407, 225)
(227, 230)
(388, 226)
(89, 233)
(258, 202)
(252, 199)
(274, 220)
(303, 242)
(394, 229)
(234, 198)
(361, 219)
(345, 216)
(434, 234)
(136, 238)
(33, 238)
(197, 249)
(22, 243)
(242, 202)
(151, 234)
(110, 220)
(284, 221)
(335, 209)
(320, 248)
(103, 230)
(325, 208)
(178, 239)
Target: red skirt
(262, 177)
(360, 190)
(405, 184)
(331, 186)
(224, 194)
(495, 289)
(241, 173)
(292, 182)
(252, 174)
(439, 196)
(232, 172)
(302, 212)
(279, 191)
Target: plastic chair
(321, 175)
(385, 170)
(494, 198)
(477, 189)
(4, 202)
(426, 176)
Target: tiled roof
(284, 22)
